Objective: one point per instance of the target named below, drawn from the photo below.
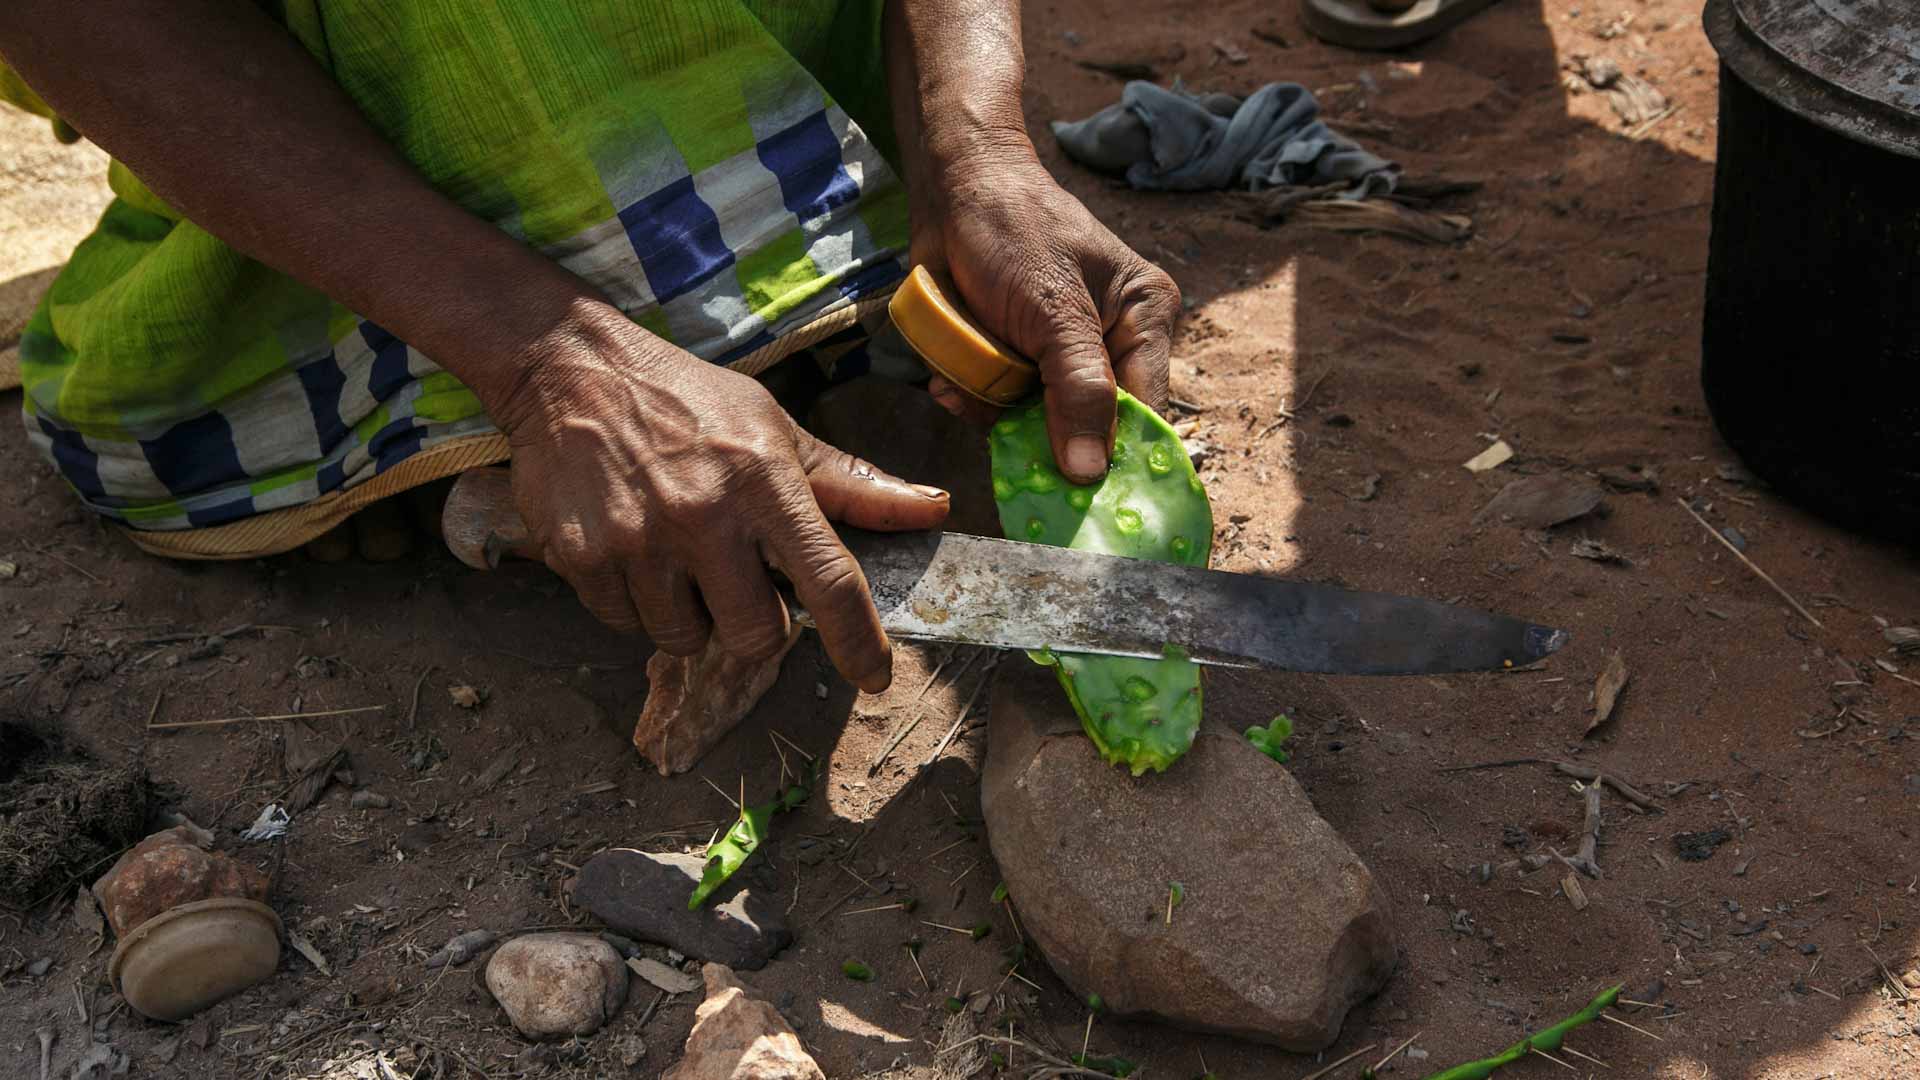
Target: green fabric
(160, 352)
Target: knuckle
(762, 641)
(679, 638)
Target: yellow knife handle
(928, 313)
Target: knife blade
(974, 590)
(951, 587)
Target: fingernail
(933, 493)
(1086, 455)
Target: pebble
(643, 895)
(40, 967)
(556, 985)
(368, 800)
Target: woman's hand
(663, 488)
(1029, 261)
(1039, 271)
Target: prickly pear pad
(1140, 713)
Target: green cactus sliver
(1139, 713)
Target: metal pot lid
(1852, 66)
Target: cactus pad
(1140, 713)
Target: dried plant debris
(1630, 478)
(61, 812)
(1543, 501)
(1699, 846)
(1904, 639)
(1491, 458)
(1597, 551)
(1606, 689)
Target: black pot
(1811, 344)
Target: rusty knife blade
(975, 590)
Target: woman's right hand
(663, 489)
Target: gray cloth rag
(1171, 140)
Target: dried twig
(1318, 1073)
(1738, 554)
(1584, 860)
(1291, 412)
(1893, 983)
(263, 719)
(413, 710)
(1601, 776)
(1395, 1052)
(919, 714)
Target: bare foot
(386, 530)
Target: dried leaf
(465, 696)
(307, 788)
(1630, 478)
(1906, 639)
(1368, 488)
(306, 948)
(672, 980)
(86, 914)
(497, 769)
(1541, 502)
(1606, 690)
(302, 747)
(1576, 893)
(1587, 548)
(1491, 458)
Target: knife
(974, 590)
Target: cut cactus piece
(1142, 714)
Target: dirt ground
(1569, 326)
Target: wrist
(557, 358)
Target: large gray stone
(1282, 929)
(643, 895)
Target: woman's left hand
(1040, 272)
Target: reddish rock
(1281, 930)
(737, 1036)
(694, 701)
(168, 869)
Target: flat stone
(737, 1036)
(1282, 928)
(643, 895)
(557, 985)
